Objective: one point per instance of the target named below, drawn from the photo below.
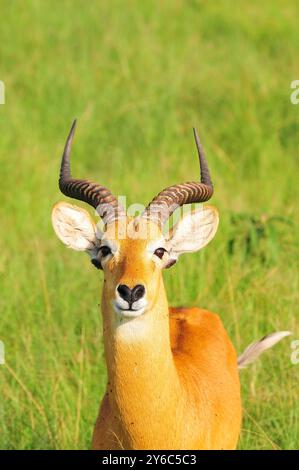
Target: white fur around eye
(153, 245)
(110, 244)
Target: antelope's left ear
(194, 231)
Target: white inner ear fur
(194, 231)
(75, 228)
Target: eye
(160, 252)
(105, 251)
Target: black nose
(131, 295)
(138, 292)
(125, 292)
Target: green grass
(138, 76)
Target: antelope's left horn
(165, 203)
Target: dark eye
(105, 251)
(160, 252)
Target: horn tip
(74, 125)
(196, 136)
(71, 135)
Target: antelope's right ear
(75, 228)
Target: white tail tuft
(254, 350)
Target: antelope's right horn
(85, 190)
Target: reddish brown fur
(202, 408)
(173, 381)
(172, 373)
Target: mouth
(128, 312)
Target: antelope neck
(142, 377)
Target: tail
(254, 350)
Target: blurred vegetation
(263, 237)
(138, 76)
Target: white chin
(129, 313)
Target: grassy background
(139, 75)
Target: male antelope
(173, 378)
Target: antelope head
(132, 252)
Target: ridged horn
(85, 190)
(165, 203)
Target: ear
(194, 231)
(75, 228)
